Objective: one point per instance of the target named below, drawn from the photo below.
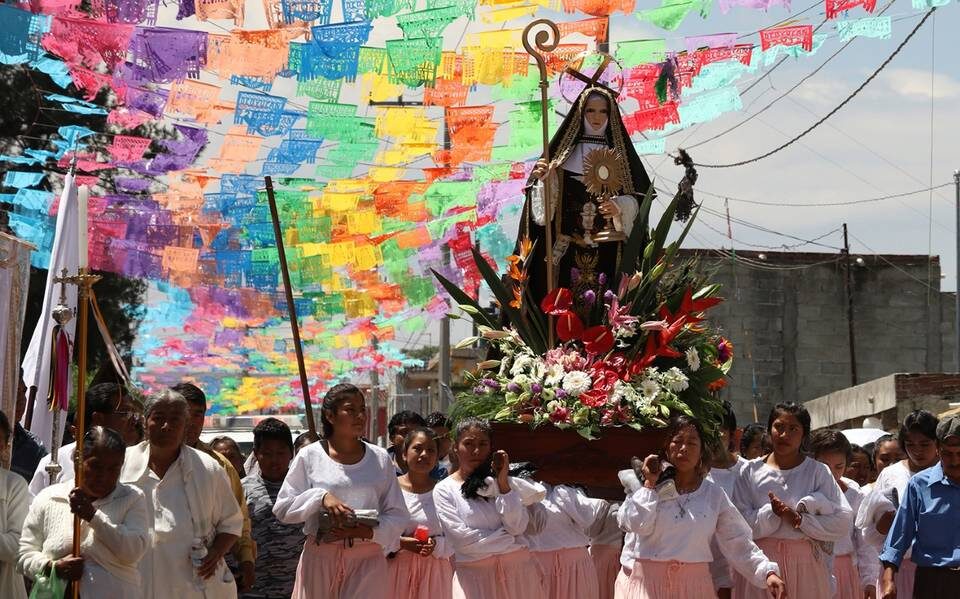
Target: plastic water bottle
(198, 553)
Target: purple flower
(602, 279)
(608, 296)
(574, 274)
(514, 388)
(536, 388)
(492, 384)
(479, 389)
(589, 297)
(561, 394)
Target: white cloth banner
(14, 284)
(36, 364)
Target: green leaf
(503, 414)
(466, 342)
(636, 426)
(462, 298)
(586, 432)
(533, 341)
(631, 249)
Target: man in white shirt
(108, 405)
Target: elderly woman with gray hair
(194, 517)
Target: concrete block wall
(788, 322)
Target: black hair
(103, 399)
(193, 394)
(228, 440)
(5, 427)
(438, 419)
(918, 421)
(332, 399)
(878, 443)
(477, 479)
(682, 421)
(751, 433)
(420, 430)
(100, 437)
(791, 409)
(830, 439)
(272, 429)
(404, 417)
(304, 439)
(728, 419)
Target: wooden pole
(84, 282)
(545, 39)
(848, 286)
(291, 308)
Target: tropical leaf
(479, 315)
(534, 341)
(631, 249)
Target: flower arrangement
(631, 352)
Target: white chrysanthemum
(576, 382)
(652, 373)
(649, 388)
(675, 380)
(554, 375)
(624, 391)
(521, 363)
(693, 359)
(538, 369)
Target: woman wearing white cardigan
(113, 517)
(189, 497)
(14, 500)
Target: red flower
(594, 398)
(557, 302)
(724, 350)
(603, 379)
(598, 339)
(690, 308)
(559, 415)
(717, 384)
(569, 326)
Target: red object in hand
(422, 534)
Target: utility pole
(375, 395)
(848, 285)
(374, 375)
(956, 295)
(443, 365)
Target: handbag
(48, 586)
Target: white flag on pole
(36, 364)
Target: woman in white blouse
(856, 566)
(113, 515)
(561, 546)
(329, 484)
(421, 568)
(794, 506)
(14, 501)
(918, 438)
(492, 560)
(674, 516)
(189, 501)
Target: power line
(835, 110)
(891, 264)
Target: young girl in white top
(114, 530)
(326, 484)
(606, 543)
(794, 507)
(855, 564)
(725, 471)
(421, 569)
(561, 546)
(918, 437)
(492, 559)
(674, 516)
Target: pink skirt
(848, 578)
(606, 560)
(665, 580)
(416, 577)
(332, 571)
(806, 577)
(568, 573)
(514, 575)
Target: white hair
(167, 397)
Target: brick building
(786, 314)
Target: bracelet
(799, 521)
